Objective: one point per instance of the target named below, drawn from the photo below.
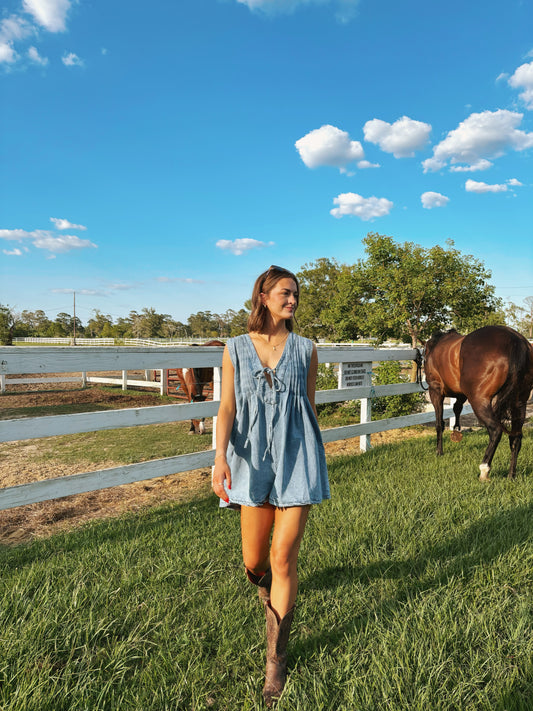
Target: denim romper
(275, 452)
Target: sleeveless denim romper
(275, 452)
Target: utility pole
(74, 294)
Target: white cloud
(44, 239)
(480, 137)
(62, 224)
(481, 164)
(12, 29)
(364, 164)
(472, 186)
(328, 145)
(123, 287)
(82, 292)
(345, 10)
(431, 200)
(14, 252)
(7, 53)
(50, 14)
(523, 79)
(34, 55)
(178, 280)
(353, 205)
(45, 14)
(241, 245)
(401, 138)
(60, 245)
(72, 60)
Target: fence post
(84, 379)
(366, 407)
(124, 380)
(453, 400)
(217, 381)
(163, 382)
(2, 383)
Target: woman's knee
(283, 561)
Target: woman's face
(282, 299)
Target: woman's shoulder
(236, 343)
(237, 339)
(303, 342)
(303, 345)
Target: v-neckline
(256, 354)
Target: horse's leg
(192, 428)
(437, 399)
(201, 427)
(485, 415)
(457, 409)
(518, 416)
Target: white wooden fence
(16, 360)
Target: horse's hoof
(484, 472)
(456, 436)
(191, 432)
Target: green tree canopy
(521, 317)
(408, 291)
(318, 292)
(8, 321)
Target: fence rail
(68, 360)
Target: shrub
(394, 405)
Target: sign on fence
(352, 375)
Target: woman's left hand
(221, 473)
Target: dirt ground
(38, 520)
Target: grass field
(416, 592)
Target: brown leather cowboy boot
(276, 663)
(263, 583)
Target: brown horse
(492, 368)
(192, 382)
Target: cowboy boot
(276, 662)
(263, 583)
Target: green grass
(125, 446)
(416, 593)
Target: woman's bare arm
(225, 419)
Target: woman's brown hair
(264, 283)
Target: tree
(33, 323)
(204, 324)
(62, 325)
(100, 325)
(521, 317)
(8, 322)
(409, 291)
(239, 323)
(318, 290)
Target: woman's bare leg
(289, 526)
(256, 527)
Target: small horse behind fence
(192, 382)
(492, 368)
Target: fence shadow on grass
(500, 533)
(123, 529)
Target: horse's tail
(505, 400)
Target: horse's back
(491, 355)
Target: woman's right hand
(221, 472)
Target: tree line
(398, 291)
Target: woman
(270, 459)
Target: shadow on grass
(121, 530)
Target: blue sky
(163, 154)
